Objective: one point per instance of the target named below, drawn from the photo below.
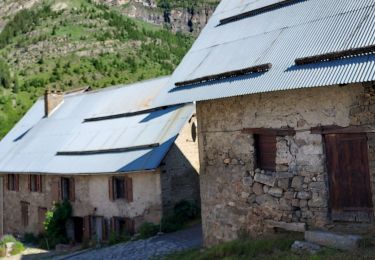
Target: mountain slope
(76, 43)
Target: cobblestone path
(152, 248)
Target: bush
(30, 238)
(55, 223)
(8, 239)
(17, 248)
(3, 251)
(148, 229)
(186, 210)
(115, 238)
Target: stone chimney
(52, 99)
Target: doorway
(78, 229)
(349, 178)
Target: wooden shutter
(265, 146)
(17, 182)
(7, 182)
(39, 181)
(130, 226)
(110, 189)
(128, 189)
(56, 189)
(41, 218)
(30, 182)
(72, 189)
(104, 229)
(112, 225)
(87, 228)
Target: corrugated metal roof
(31, 146)
(302, 29)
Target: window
(13, 182)
(122, 226)
(25, 213)
(119, 183)
(35, 183)
(67, 189)
(265, 148)
(121, 188)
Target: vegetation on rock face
(77, 45)
(168, 4)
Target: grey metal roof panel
(278, 37)
(31, 146)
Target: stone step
(301, 247)
(333, 240)
(295, 227)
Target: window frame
(25, 212)
(14, 182)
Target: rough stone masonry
(237, 198)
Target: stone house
(114, 154)
(285, 99)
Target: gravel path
(154, 247)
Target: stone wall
(236, 197)
(180, 170)
(91, 198)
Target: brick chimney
(52, 99)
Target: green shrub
(171, 224)
(148, 229)
(55, 223)
(3, 251)
(8, 239)
(186, 210)
(17, 248)
(115, 238)
(30, 238)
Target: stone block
(284, 175)
(282, 168)
(318, 200)
(304, 195)
(266, 188)
(267, 179)
(248, 181)
(258, 188)
(285, 204)
(332, 240)
(283, 184)
(297, 182)
(267, 200)
(276, 192)
(289, 195)
(301, 247)
(317, 186)
(296, 227)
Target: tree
(5, 76)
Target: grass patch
(274, 247)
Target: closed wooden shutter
(41, 218)
(7, 182)
(17, 182)
(72, 189)
(265, 146)
(25, 213)
(56, 189)
(29, 177)
(130, 226)
(87, 228)
(128, 189)
(113, 225)
(105, 229)
(110, 189)
(39, 182)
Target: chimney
(52, 99)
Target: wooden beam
(334, 129)
(336, 55)
(116, 150)
(235, 73)
(270, 131)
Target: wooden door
(349, 179)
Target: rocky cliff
(190, 19)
